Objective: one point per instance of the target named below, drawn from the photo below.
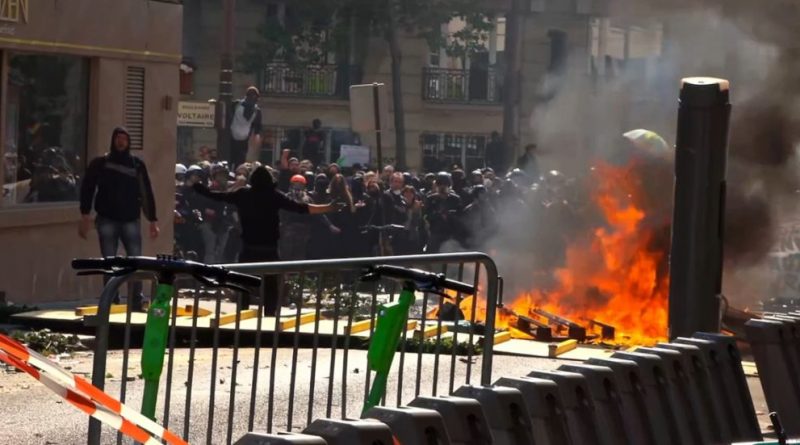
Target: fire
(616, 272)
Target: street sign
(195, 114)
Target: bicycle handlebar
(218, 274)
(423, 279)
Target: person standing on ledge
(119, 187)
(258, 207)
(244, 124)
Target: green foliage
(46, 342)
(445, 346)
(314, 28)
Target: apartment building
(451, 105)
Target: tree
(297, 40)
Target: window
(45, 128)
(441, 151)
(134, 106)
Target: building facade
(452, 105)
(69, 73)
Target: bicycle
(392, 318)
(157, 325)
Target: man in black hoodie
(258, 208)
(123, 191)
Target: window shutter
(134, 106)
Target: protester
(258, 208)
(118, 186)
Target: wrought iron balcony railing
(478, 86)
(325, 81)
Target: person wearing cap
(244, 125)
(295, 228)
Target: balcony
(460, 86)
(326, 81)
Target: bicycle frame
(392, 319)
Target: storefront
(71, 71)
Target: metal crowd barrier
(312, 370)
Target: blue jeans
(111, 233)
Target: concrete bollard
(279, 439)
(684, 394)
(607, 401)
(412, 425)
(712, 405)
(577, 401)
(505, 410)
(544, 405)
(771, 343)
(464, 418)
(351, 432)
(659, 400)
(730, 382)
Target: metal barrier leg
(351, 432)
(283, 439)
(578, 405)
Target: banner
(353, 154)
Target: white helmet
(180, 169)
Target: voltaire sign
(15, 11)
(195, 114)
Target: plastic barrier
(721, 429)
(412, 425)
(577, 402)
(505, 410)
(607, 400)
(279, 439)
(772, 348)
(730, 382)
(351, 432)
(542, 397)
(464, 418)
(657, 398)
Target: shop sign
(195, 114)
(15, 11)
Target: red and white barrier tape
(85, 396)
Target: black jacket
(121, 184)
(258, 211)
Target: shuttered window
(134, 106)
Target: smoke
(755, 46)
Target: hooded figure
(258, 208)
(118, 187)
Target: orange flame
(614, 274)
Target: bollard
(701, 151)
(464, 418)
(657, 389)
(607, 401)
(279, 439)
(351, 432)
(731, 382)
(544, 405)
(505, 410)
(412, 425)
(638, 424)
(720, 427)
(683, 392)
(577, 402)
(770, 343)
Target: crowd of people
(386, 212)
